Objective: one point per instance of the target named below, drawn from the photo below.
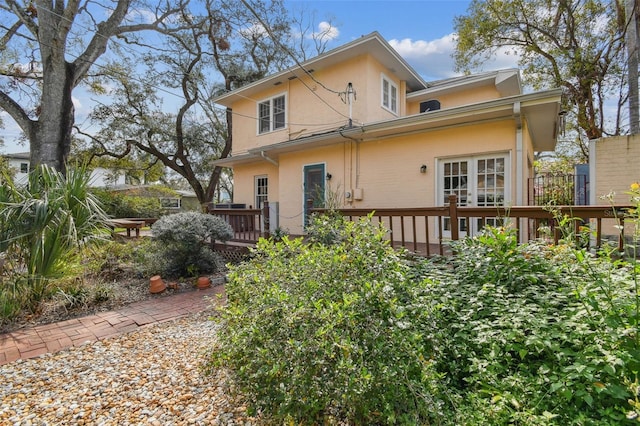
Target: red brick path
(34, 341)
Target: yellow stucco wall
(465, 97)
(312, 109)
(386, 171)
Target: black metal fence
(558, 190)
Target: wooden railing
(422, 230)
(248, 225)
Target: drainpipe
(519, 154)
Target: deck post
(453, 216)
(266, 219)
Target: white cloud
(326, 32)
(434, 61)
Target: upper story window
(271, 114)
(389, 94)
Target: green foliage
(327, 228)
(121, 205)
(183, 240)
(535, 334)
(318, 332)
(43, 227)
(498, 334)
(555, 51)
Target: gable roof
(506, 81)
(17, 156)
(373, 44)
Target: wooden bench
(127, 224)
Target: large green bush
(535, 334)
(122, 205)
(183, 243)
(319, 332)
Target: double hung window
(389, 94)
(271, 114)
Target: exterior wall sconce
(423, 168)
(329, 176)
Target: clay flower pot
(203, 282)
(156, 284)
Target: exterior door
(313, 188)
(478, 181)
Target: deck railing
(422, 230)
(248, 225)
(428, 230)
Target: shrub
(122, 205)
(315, 332)
(43, 227)
(183, 240)
(534, 334)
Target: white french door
(478, 181)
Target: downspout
(519, 154)
(269, 159)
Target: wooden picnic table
(127, 224)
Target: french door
(477, 181)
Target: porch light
(423, 168)
(329, 176)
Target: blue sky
(420, 30)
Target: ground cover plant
(347, 329)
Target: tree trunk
(51, 139)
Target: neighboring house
(19, 164)
(172, 201)
(359, 125)
(100, 177)
(613, 167)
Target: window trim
(256, 188)
(173, 203)
(272, 118)
(392, 86)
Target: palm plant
(43, 224)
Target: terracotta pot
(156, 284)
(203, 282)
(172, 285)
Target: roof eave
(372, 43)
(542, 121)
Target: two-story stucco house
(360, 123)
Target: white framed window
(271, 114)
(24, 167)
(170, 203)
(389, 94)
(261, 190)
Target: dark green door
(313, 188)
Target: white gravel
(149, 377)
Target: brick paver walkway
(34, 341)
